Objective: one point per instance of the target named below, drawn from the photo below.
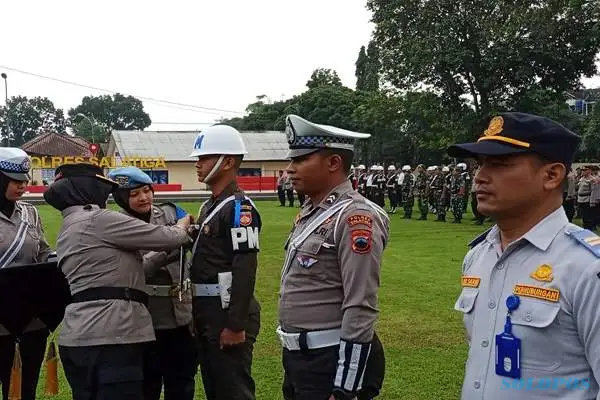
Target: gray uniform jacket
(585, 190)
(333, 278)
(162, 268)
(558, 282)
(99, 248)
(35, 249)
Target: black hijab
(7, 207)
(121, 196)
(78, 191)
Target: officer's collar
(72, 209)
(542, 234)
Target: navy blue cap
(514, 133)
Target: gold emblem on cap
(495, 127)
(543, 273)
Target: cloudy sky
(211, 54)
(214, 54)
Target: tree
(367, 68)
(591, 138)
(489, 50)
(323, 77)
(362, 65)
(30, 117)
(116, 112)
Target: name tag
(537, 292)
(470, 281)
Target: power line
(113, 92)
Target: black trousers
(172, 361)
(587, 215)
(32, 348)
(106, 372)
(290, 196)
(281, 195)
(309, 375)
(226, 373)
(569, 206)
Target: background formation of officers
(435, 189)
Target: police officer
(22, 241)
(392, 188)
(223, 271)
(105, 328)
(408, 194)
(170, 360)
(280, 189)
(421, 191)
(531, 284)
(362, 180)
(330, 278)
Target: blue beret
(129, 177)
(514, 132)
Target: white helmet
(445, 169)
(219, 140)
(374, 167)
(361, 166)
(391, 168)
(463, 166)
(406, 168)
(380, 168)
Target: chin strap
(214, 168)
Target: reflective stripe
(15, 246)
(206, 290)
(314, 340)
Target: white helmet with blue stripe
(15, 163)
(130, 177)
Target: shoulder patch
(361, 241)
(587, 239)
(360, 219)
(479, 238)
(246, 207)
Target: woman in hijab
(107, 326)
(22, 242)
(171, 360)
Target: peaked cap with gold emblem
(514, 132)
(305, 137)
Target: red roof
(56, 144)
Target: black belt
(111, 293)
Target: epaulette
(479, 238)
(588, 239)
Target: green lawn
(422, 334)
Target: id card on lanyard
(508, 346)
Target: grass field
(423, 336)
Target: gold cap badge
(543, 273)
(495, 127)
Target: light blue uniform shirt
(558, 320)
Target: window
(158, 176)
(249, 172)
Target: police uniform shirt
(333, 280)
(558, 282)
(35, 249)
(227, 245)
(100, 248)
(162, 268)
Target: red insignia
(361, 241)
(94, 148)
(360, 219)
(245, 218)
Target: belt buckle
(175, 291)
